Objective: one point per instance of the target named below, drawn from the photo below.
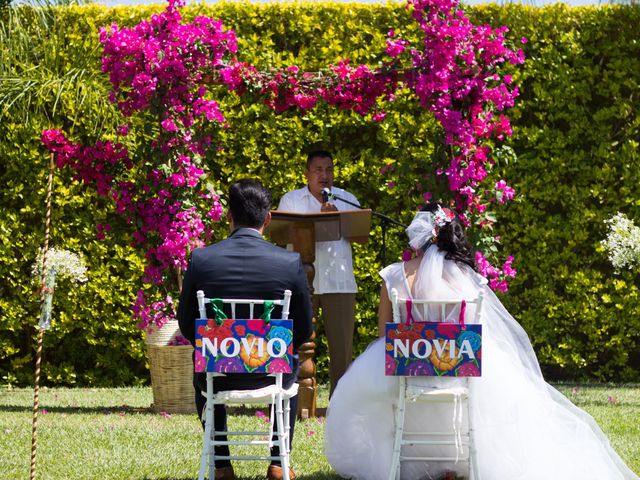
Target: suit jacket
(246, 266)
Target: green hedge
(576, 134)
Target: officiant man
(334, 285)
(246, 266)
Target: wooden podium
(303, 230)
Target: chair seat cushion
(261, 395)
(417, 391)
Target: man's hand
(328, 207)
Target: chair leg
(282, 442)
(474, 471)
(212, 451)
(207, 448)
(287, 426)
(394, 472)
(205, 451)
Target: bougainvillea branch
(454, 73)
(160, 70)
(156, 71)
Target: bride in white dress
(524, 428)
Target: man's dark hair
(317, 154)
(249, 203)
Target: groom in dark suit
(245, 266)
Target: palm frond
(35, 77)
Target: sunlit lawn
(113, 434)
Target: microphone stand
(385, 221)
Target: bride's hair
(451, 239)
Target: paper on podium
(352, 225)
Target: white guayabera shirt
(334, 264)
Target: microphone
(333, 196)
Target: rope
(36, 387)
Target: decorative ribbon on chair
(409, 305)
(266, 313)
(218, 313)
(463, 309)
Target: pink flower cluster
(163, 59)
(455, 76)
(344, 86)
(395, 48)
(154, 315)
(179, 340)
(504, 192)
(157, 70)
(497, 276)
(96, 165)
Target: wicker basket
(172, 378)
(171, 368)
(164, 335)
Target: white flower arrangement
(64, 264)
(623, 242)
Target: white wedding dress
(524, 428)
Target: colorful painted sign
(244, 346)
(433, 349)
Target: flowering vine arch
(161, 69)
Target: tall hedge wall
(576, 135)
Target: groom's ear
(230, 220)
(267, 220)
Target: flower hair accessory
(425, 226)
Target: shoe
(274, 472)
(225, 473)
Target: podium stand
(303, 230)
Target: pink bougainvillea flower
(378, 117)
(263, 416)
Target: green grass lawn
(113, 434)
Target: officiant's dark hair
(249, 203)
(318, 154)
(452, 239)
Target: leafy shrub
(576, 135)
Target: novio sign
(244, 346)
